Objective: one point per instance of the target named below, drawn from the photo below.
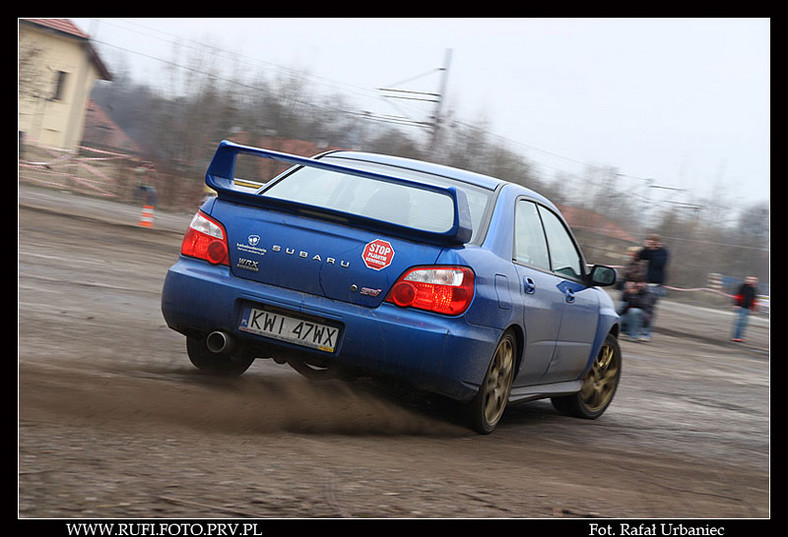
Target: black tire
(489, 404)
(217, 364)
(599, 386)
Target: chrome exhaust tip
(218, 342)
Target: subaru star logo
(253, 240)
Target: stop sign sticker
(378, 254)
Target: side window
(530, 247)
(60, 85)
(565, 257)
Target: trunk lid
(315, 256)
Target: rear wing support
(221, 176)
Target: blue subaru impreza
(454, 282)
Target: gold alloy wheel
(602, 380)
(499, 381)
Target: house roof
(581, 219)
(65, 26)
(101, 131)
(61, 25)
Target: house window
(60, 85)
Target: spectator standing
(657, 257)
(744, 301)
(146, 188)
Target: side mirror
(602, 276)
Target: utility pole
(437, 117)
(434, 123)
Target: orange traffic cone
(146, 220)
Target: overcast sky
(682, 102)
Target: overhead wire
(550, 160)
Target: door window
(565, 259)
(542, 241)
(530, 247)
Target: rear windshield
(395, 203)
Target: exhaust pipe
(219, 342)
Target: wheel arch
(609, 325)
(519, 338)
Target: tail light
(206, 239)
(447, 290)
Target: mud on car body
(454, 282)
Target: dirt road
(115, 423)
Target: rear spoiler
(221, 177)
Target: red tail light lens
(447, 290)
(206, 239)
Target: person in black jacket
(744, 301)
(656, 256)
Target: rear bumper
(437, 353)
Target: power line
(432, 123)
(172, 39)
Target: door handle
(569, 289)
(570, 296)
(530, 286)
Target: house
(57, 69)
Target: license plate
(290, 329)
